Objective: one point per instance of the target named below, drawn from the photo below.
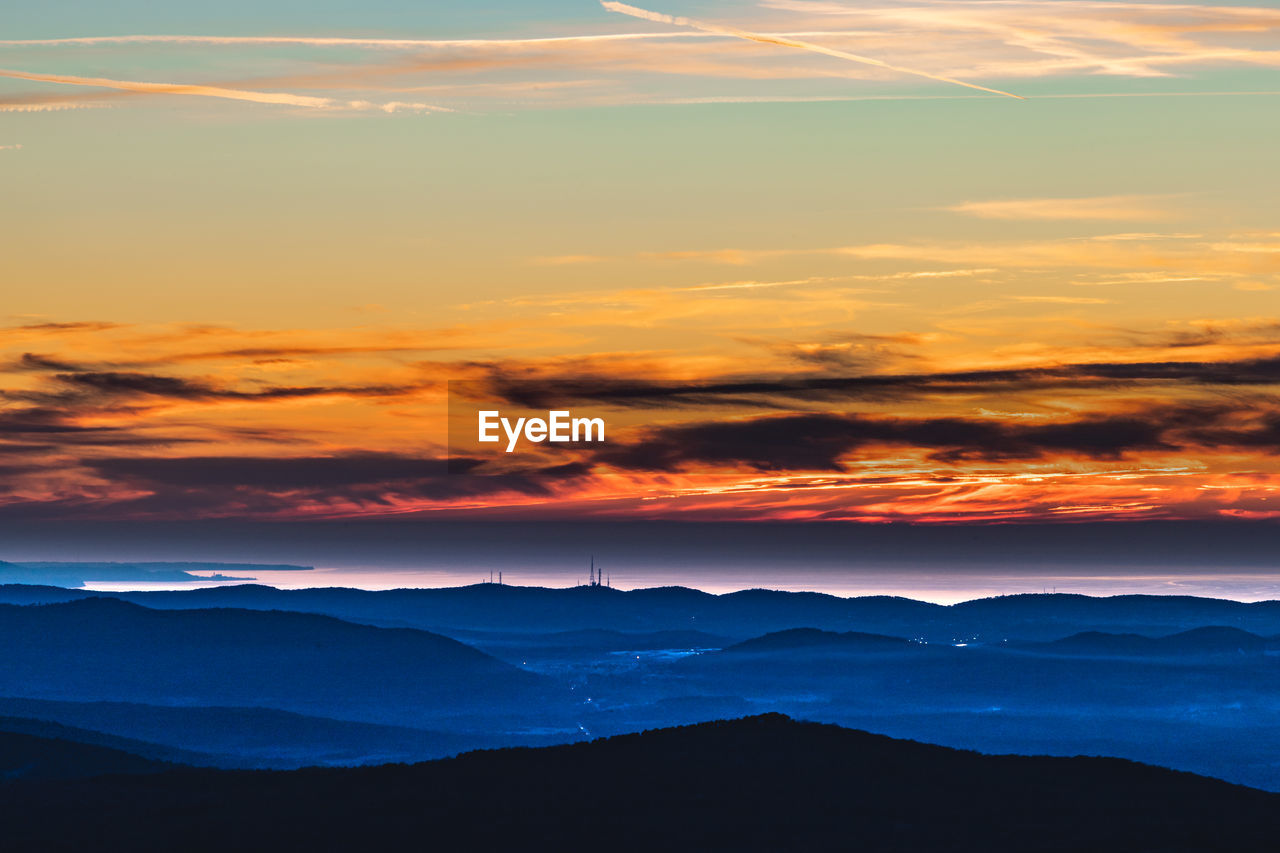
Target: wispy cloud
(953, 41)
(1178, 258)
(15, 147)
(755, 285)
(659, 17)
(278, 98)
(135, 421)
(1108, 207)
(1047, 38)
(338, 41)
(1062, 300)
(52, 107)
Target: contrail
(659, 17)
(383, 43)
(335, 41)
(284, 98)
(45, 108)
(175, 89)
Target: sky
(930, 262)
(942, 563)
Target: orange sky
(243, 263)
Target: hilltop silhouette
(30, 756)
(759, 783)
(157, 752)
(1209, 640)
(738, 615)
(106, 649)
(258, 686)
(813, 639)
(244, 737)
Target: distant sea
(1223, 559)
(943, 587)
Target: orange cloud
(779, 41)
(277, 98)
(1111, 207)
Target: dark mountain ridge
(759, 783)
(740, 615)
(1209, 640)
(43, 728)
(28, 756)
(243, 737)
(107, 649)
(813, 639)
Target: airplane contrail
(173, 89)
(44, 108)
(283, 98)
(330, 41)
(660, 18)
(385, 43)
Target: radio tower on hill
(596, 578)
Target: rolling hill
(28, 756)
(759, 783)
(103, 649)
(738, 615)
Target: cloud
(1263, 434)
(953, 41)
(1044, 38)
(40, 107)
(823, 99)
(278, 98)
(83, 391)
(1062, 300)
(820, 442)
(134, 384)
(278, 474)
(1110, 207)
(898, 276)
(1178, 258)
(635, 12)
(539, 392)
(32, 361)
(79, 326)
(339, 41)
(44, 421)
(337, 484)
(849, 351)
(117, 347)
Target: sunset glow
(798, 286)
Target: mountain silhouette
(160, 753)
(111, 650)
(739, 615)
(242, 736)
(606, 640)
(1214, 639)
(589, 641)
(813, 639)
(28, 756)
(758, 783)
